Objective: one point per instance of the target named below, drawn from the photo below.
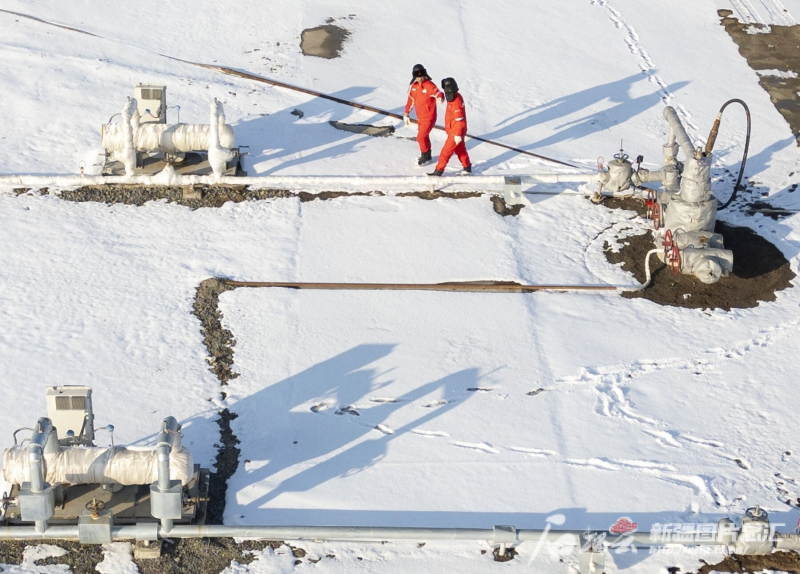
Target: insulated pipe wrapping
(172, 138)
(98, 465)
(647, 176)
(128, 150)
(679, 131)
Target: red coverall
(423, 97)
(455, 124)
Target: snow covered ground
(658, 414)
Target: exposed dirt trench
(760, 269)
(219, 343)
(775, 562)
(197, 196)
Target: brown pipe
(465, 287)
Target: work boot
(424, 159)
(436, 172)
(468, 168)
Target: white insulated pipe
(39, 439)
(648, 276)
(647, 176)
(678, 132)
(503, 535)
(290, 181)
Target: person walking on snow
(455, 124)
(423, 95)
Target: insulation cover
(98, 465)
(172, 138)
(686, 216)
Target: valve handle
(656, 216)
(95, 507)
(674, 259)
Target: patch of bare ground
(759, 270)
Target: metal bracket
(95, 527)
(504, 535)
(167, 503)
(36, 505)
(512, 190)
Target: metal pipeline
(164, 445)
(166, 442)
(712, 139)
(678, 131)
(496, 535)
(331, 183)
(36, 447)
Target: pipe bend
(44, 427)
(679, 131)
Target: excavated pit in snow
(759, 269)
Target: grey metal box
(95, 530)
(167, 503)
(36, 505)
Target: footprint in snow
(384, 429)
(538, 452)
(482, 446)
(348, 410)
(428, 433)
(435, 404)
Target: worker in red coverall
(455, 124)
(423, 95)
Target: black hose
(712, 137)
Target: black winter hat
(449, 85)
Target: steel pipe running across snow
(496, 535)
(331, 183)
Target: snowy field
(659, 414)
